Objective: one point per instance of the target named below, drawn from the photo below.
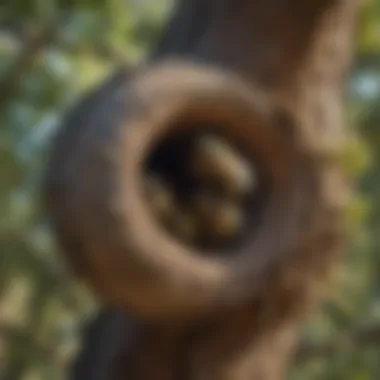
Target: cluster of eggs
(216, 212)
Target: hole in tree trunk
(204, 189)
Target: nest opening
(205, 189)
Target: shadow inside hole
(170, 162)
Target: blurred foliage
(52, 51)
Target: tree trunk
(289, 59)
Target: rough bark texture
(285, 63)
